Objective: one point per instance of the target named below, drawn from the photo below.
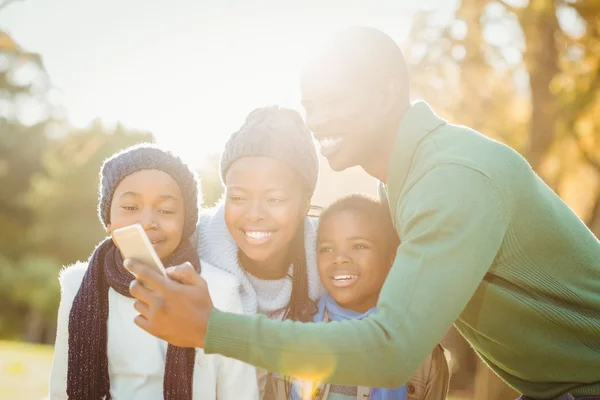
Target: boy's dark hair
(376, 212)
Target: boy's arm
(452, 224)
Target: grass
(24, 370)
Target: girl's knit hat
(278, 133)
(148, 156)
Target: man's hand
(175, 309)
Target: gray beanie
(148, 156)
(278, 133)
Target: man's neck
(381, 155)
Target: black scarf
(87, 376)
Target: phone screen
(133, 243)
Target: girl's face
(265, 203)
(154, 200)
(353, 260)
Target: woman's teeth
(344, 277)
(329, 142)
(258, 235)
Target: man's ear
(392, 258)
(306, 206)
(393, 255)
(108, 229)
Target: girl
(100, 353)
(261, 233)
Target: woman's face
(154, 200)
(265, 203)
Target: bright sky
(186, 67)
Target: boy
(356, 246)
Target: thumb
(184, 273)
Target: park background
(80, 80)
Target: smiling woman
(265, 200)
(262, 233)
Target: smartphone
(133, 243)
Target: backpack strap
(363, 393)
(275, 387)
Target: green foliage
(22, 142)
(49, 194)
(21, 149)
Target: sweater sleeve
(452, 224)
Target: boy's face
(353, 259)
(154, 200)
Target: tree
(25, 115)
(24, 118)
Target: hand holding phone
(133, 243)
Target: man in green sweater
(486, 246)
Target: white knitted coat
(136, 359)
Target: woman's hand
(173, 308)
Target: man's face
(343, 114)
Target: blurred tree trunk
(594, 220)
(34, 327)
(50, 335)
(540, 27)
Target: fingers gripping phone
(133, 243)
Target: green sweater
(486, 246)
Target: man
(486, 246)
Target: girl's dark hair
(300, 307)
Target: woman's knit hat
(278, 133)
(148, 156)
